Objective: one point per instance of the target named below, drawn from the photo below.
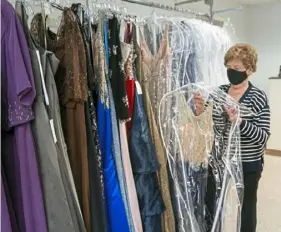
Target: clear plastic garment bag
(194, 143)
(175, 53)
(196, 49)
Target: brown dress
(155, 83)
(72, 89)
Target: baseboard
(273, 152)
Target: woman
(241, 63)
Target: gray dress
(64, 163)
(61, 205)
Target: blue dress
(116, 215)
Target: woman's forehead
(235, 62)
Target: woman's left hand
(232, 114)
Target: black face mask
(236, 77)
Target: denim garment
(145, 165)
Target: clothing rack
(207, 2)
(211, 5)
(200, 15)
(164, 7)
(186, 2)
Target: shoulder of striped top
(224, 87)
(257, 96)
(260, 96)
(258, 100)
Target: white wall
(236, 17)
(259, 25)
(263, 30)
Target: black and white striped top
(254, 129)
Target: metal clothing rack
(207, 2)
(212, 12)
(205, 17)
(202, 16)
(186, 2)
(163, 6)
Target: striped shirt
(254, 128)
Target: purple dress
(5, 217)
(18, 153)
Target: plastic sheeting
(197, 49)
(193, 143)
(197, 147)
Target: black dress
(116, 71)
(97, 203)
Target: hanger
(43, 12)
(28, 7)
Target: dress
(195, 134)
(144, 162)
(17, 97)
(119, 116)
(97, 184)
(127, 54)
(129, 74)
(105, 92)
(56, 204)
(5, 213)
(155, 83)
(130, 87)
(97, 207)
(116, 71)
(67, 176)
(71, 81)
(116, 215)
(51, 67)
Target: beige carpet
(269, 196)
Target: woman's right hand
(199, 103)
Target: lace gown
(195, 135)
(143, 159)
(155, 83)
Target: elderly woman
(241, 63)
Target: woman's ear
(249, 72)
